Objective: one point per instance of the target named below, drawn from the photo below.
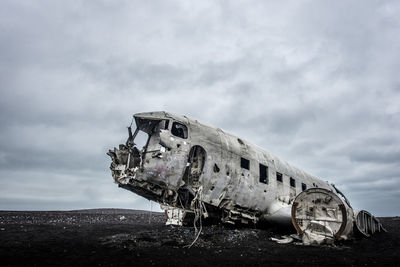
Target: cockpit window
(179, 130)
(146, 125)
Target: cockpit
(146, 137)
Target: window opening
(303, 187)
(292, 182)
(141, 139)
(279, 176)
(263, 174)
(216, 168)
(179, 130)
(245, 163)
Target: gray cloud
(314, 82)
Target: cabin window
(245, 163)
(303, 187)
(179, 130)
(263, 174)
(292, 182)
(166, 124)
(216, 168)
(279, 176)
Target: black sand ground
(136, 238)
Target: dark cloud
(315, 83)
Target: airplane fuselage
(184, 158)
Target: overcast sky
(316, 83)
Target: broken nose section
(125, 163)
(127, 171)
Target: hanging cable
(198, 211)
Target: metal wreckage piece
(190, 167)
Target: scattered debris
(284, 240)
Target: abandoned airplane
(190, 167)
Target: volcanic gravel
(114, 237)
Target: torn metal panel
(184, 161)
(319, 215)
(366, 224)
(322, 216)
